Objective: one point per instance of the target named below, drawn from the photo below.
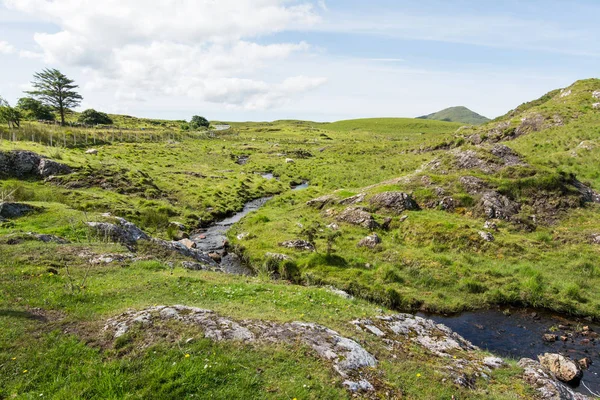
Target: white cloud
(32, 55)
(6, 48)
(203, 49)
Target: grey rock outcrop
(497, 206)
(27, 164)
(15, 210)
(358, 216)
(370, 241)
(488, 237)
(320, 202)
(298, 244)
(397, 202)
(472, 184)
(347, 356)
(122, 231)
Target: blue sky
(318, 60)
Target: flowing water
(518, 333)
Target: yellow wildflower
(187, 356)
(25, 371)
(418, 375)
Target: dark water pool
(519, 333)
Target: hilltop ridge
(457, 114)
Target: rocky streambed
(523, 333)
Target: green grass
(435, 260)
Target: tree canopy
(33, 109)
(9, 115)
(199, 122)
(54, 89)
(93, 117)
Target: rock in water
(190, 244)
(544, 383)
(562, 367)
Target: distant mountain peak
(457, 114)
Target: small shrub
(472, 286)
(289, 271)
(93, 117)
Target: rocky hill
(457, 114)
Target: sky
(325, 60)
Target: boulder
(497, 206)
(24, 164)
(472, 184)
(565, 369)
(122, 231)
(15, 210)
(47, 168)
(549, 338)
(546, 386)
(370, 241)
(488, 237)
(585, 363)
(289, 161)
(491, 225)
(360, 386)
(506, 154)
(447, 203)
(359, 198)
(493, 362)
(588, 195)
(190, 244)
(397, 202)
(596, 94)
(91, 151)
(320, 202)
(298, 244)
(358, 216)
(47, 238)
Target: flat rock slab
(346, 355)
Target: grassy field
(53, 301)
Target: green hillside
(403, 215)
(457, 114)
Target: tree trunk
(62, 114)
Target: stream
(214, 238)
(512, 333)
(519, 333)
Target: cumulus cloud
(6, 48)
(205, 49)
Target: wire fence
(76, 137)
